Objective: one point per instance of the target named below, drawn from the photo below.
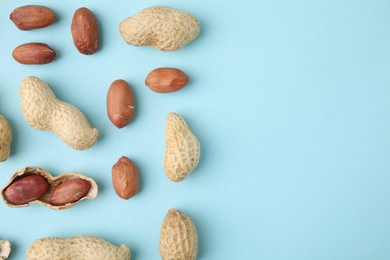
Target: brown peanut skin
(166, 80)
(125, 178)
(26, 189)
(31, 17)
(85, 31)
(34, 53)
(120, 103)
(69, 191)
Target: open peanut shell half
(39, 186)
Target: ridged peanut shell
(5, 249)
(162, 27)
(178, 237)
(53, 183)
(42, 110)
(182, 151)
(76, 248)
(120, 103)
(31, 17)
(5, 139)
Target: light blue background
(289, 99)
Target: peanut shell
(44, 111)
(76, 248)
(162, 27)
(53, 183)
(5, 249)
(178, 237)
(182, 151)
(5, 139)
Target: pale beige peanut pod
(178, 237)
(162, 27)
(5, 139)
(182, 151)
(5, 249)
(76, 248)
(53, 183)
(43, 111)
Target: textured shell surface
(76, 248)
(178, 237)
(162, 27)
(5, 249)
(5, 139)
(182, 152)
(43, 111)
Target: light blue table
(289, 99)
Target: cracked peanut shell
(53, 184)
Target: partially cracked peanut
(33, 184)
(162, 27)
(182, 151)
(43, 111)
(120, 103)
(5, 139)
(178, 237)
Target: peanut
(178, 237)
(5, 139)
(182, 151)
(120, 103)
(69, 191)
(62, 192)
(26, 189)
(85, 31)
(5, 249)
(165, 80)
(125, 178)
(43, 111)
(34, 53)
(162, 27)
(76, 248)
(30, 17)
